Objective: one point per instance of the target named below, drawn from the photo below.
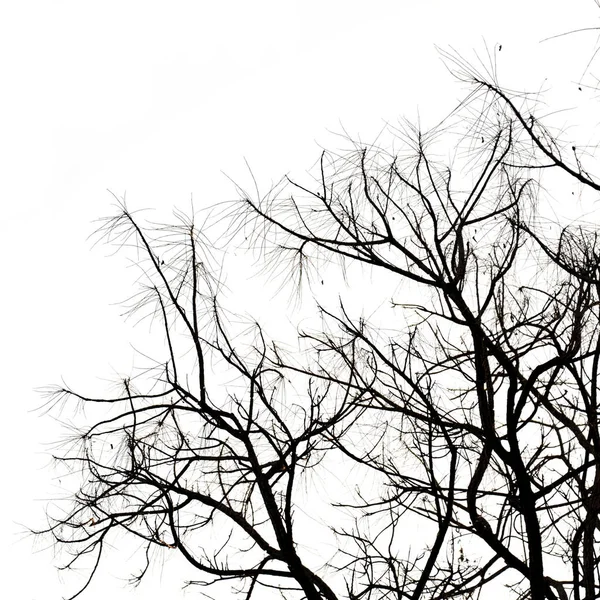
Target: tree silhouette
(449, 441)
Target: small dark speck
(322, 283)
(579, 88)
(500, 48)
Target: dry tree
(454, 428)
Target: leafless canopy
(445, 446)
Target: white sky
(156, 99)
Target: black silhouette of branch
(460, 417)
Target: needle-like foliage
(450, 438)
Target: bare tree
(462, 415)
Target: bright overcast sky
(157, 99)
